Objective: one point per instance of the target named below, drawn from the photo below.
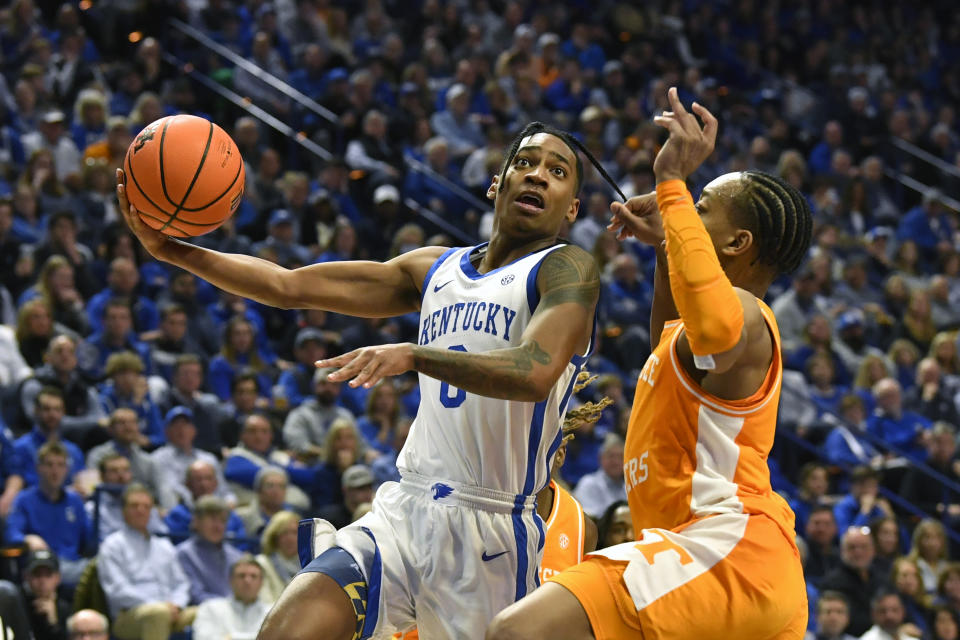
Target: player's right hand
(637, 218)
(151, 239)
(689, 144)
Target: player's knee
(507, 626)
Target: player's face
(713, 208)
(539, 188)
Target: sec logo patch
(564, 541)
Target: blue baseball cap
(177, 412)
(280, 216)
(338, 73)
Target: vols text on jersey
(468, 317)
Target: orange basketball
(184, 175)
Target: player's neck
(545, 502)
(503, 250)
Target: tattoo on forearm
(569, 276)
(497, 374)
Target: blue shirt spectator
(927, 225)
(122, 281)
(455, 125)
(861, 506)
(206, 559)
(890, 423)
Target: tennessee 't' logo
(441, 490)
(145, 136)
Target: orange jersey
(689, 454)
(563, 543)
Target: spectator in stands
(171, 341)
(48, 410)
(106, 511)
(383, 413)
(945, 624)
(928, 494)
(278, 554)
(309, 346)
(145, 586)
(372, 151)
(122, 281)
(51, 137)
(127, 440)
(88, 623)
(384, 467)
(887, 613)
(814, 484)
(905, 578)
(948, 587)
(862, 504)
(357, 487)
(821, 537)
(627, 295)
(117, 335)
(432, 193)
(343, 447)
(306, 426)
(281, 242)
(241, 613)
(270, 486)
(928, 226)
(931, 397)
(185, 391)
(61, 240)
(930, 551)
(34, 331)
(852, 344)
(854, 577)
(794, 308)
(239, 351)
(456, 124)
(127, 387)
(833, 617)
(201, 479)
(825, 393)
(597, 490)
(82, 414)
(615, 526)
(256, 452)
(916, 321)
(904, 355)
(46, 610)
(182, 290)
(49, 516)
(903, 430)
(174, 458)
(56, 285)
(885, 532)
(205, 558)
(245, 400)
(846, 444)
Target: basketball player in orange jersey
(715, 558)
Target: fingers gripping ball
(184, 175)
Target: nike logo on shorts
(437, 287)
(487, 558)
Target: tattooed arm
(569, 285)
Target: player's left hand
(689, 144)
(369, 365)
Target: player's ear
(573, 210)
(492, 190)
(740, 243)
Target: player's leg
(312, 607)
(551, 611)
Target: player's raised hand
(153, 241)
(689, 144)
(368, 365)
(637, 218)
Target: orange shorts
(721, 577)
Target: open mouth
(530, 201)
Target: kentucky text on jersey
(468, 317)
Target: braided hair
(571, 142)
(778, 216)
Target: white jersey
(502, 445)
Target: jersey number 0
(455, 400)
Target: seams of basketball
(225, 191)
(196, 174)
(129, 172)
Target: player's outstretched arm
(358, 288)
(719, 320)
(569, 286)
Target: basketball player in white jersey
(504, 328)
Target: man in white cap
(51, 134)
(455, 125)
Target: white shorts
(444, 557)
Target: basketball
(184, 175)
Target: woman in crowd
(239, 351)
(381, 418)
(929, 550)
(278, 554)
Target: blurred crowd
(141, 404)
